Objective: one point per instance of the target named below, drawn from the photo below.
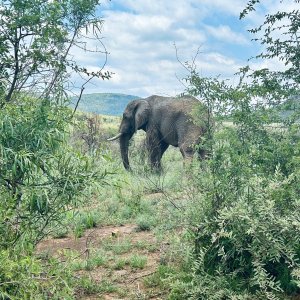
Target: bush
(246, 214)
(25, 277)
(41, 178)
(252, 244)
(247, 239)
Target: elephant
(166, 121)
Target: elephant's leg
(163, 147)
(156, 148)
(156, 155)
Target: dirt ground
(128, 281)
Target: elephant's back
(173, 105)
(157, 101)
(172, 117)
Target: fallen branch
(141, 276)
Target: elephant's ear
(141, 114)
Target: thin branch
(49, 89)
(141, 276)
(78, 100)
(17, 67)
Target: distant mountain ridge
(112, 104)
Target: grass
(119, 246)
(144, 223)
(137, 261)
(89, 286)
(157, 279)
(146, 245)
(140, 198)
(119, 263)
(60, 232)
(78, 231)
(96, 259)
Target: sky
(148, 40)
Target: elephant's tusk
(115, 137)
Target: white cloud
(273, 64)
(273, 6)
(215, 64)
(140, 36)
(226, 34)
(179, 10)
(142, 54)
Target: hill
(103, 103)
(289, 107)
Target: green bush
(41, 179)
(246, 215)
(252, 244)
(41, 176)
(145, 222)
(25, 277)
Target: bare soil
(127, 280)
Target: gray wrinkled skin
(166, 121)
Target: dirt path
(121, 259)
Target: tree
(41, 175)
(280, 36)
(246, 216)
(36, 38)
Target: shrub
(24, 277)
(41, 178)
(246, 214)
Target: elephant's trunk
(124, 144)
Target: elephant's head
(135, 117)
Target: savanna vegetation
(75, 225)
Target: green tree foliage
(37, 38)
(41, 175)
(247, 240)
(41, 178)
(279, 34)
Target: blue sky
(140, 35)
